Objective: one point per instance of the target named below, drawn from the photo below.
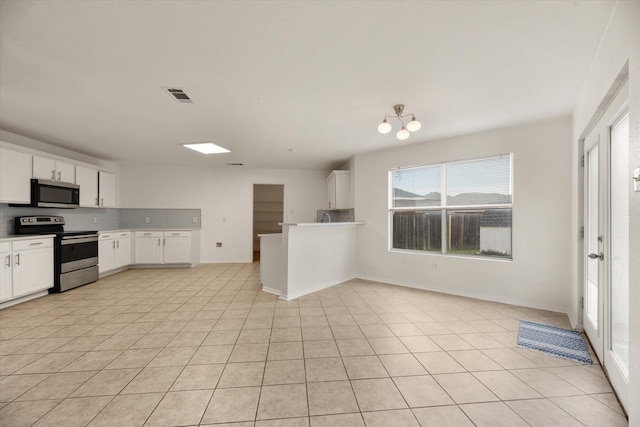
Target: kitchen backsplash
(160, 218)
(105, 218)
(336, 215)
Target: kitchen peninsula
(307, 257)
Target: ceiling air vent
(235, 164)
(178, 94)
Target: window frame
(445, 209)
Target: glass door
(616, 358)
(593, 297)
(607, 182)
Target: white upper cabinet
(15, 176)
(87, 179)
(338, 190)
(54, 170)
(107, 189)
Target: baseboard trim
(476, 295)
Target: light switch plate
(147, 219)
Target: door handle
(597, 256)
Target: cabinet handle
(113, 245)
(164, 243)
(117, 244)
(53, 175)
(17, 259)
(102, 202)
(35, 244)
(8, 261)
(158, 242)
(59, 176)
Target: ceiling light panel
(206, 148)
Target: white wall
(539, 274)
(621, 43)
(225, 196)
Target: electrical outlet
(218, 244)
(195, 219)
(147, 219)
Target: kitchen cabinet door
(53, 170)
(106, 253)
(338, 190)
(65, 172)
(44, 168)
(107, 189)
(87, 179)
(148, 249)
(177, 247)
(6, 272)
(32, 270)
(15, 176)
(123, 250)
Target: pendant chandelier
(404, 131)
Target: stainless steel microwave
(54, 194)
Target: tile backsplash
(336, 215)
(104, 218)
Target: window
(459, 208)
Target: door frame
(285, 206)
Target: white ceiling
(266, 77)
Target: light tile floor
(204, 346)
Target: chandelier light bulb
(384, 127)
(414, 125)
(402, 134)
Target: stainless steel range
(75, 252)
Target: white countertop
(321, 224)
(133, 230)
(26, 237)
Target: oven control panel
(41, 220)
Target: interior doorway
(268, 211)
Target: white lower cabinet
(6, 272)
(148, 247)
(177, 247)
(162, 247)
(27, 267)
(114, 250)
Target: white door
(616, 356)
(606, 286)
(593, 296)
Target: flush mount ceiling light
(206, 148)
(403, 133)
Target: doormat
(552, 340)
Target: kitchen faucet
(327, 215)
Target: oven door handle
(75, 240)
